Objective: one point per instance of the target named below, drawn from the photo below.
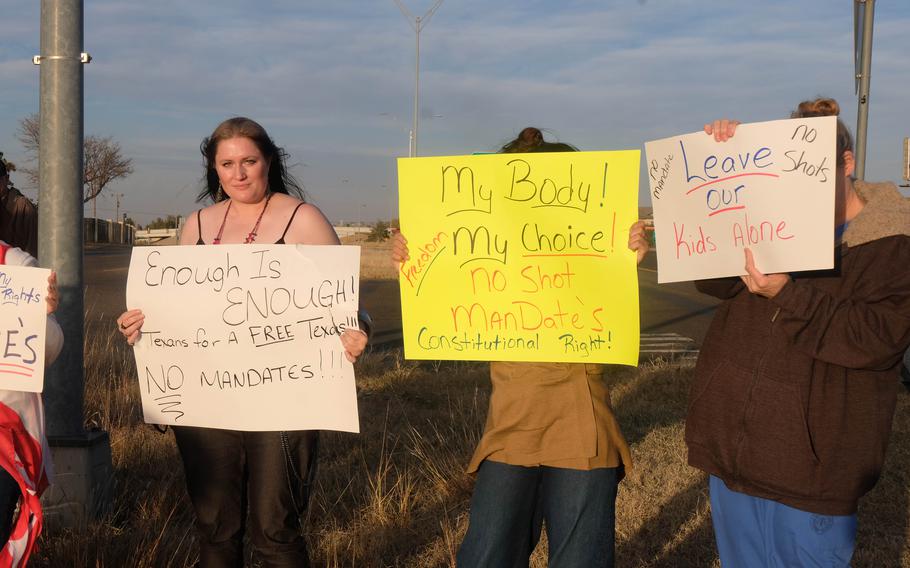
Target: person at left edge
(228, 472)
(25, 460)
(18, 215)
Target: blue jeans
(752, 532)
(511, 502)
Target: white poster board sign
(770, 188)
(246, 337)
(23, 324)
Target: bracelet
(366, 323)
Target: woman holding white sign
(551, 450)
(796, 383)
(24, 453)
(231, 473)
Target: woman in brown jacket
(796, 383)
(551, 450)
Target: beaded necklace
(251, 236)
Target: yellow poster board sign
(520, 257)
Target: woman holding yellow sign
(551, 451)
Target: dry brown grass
(375, 261)
(396, 495)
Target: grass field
(397, 494)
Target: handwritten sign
(246, 337)
(520, 257)
(770, 188)
(23, 324)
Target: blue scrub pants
(760, 533)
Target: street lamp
(417, 24)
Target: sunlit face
(242, 170)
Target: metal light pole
(82, 459)
(117, 219)
(863, 14)
(95, 218)
(60, 220)
(417, 23)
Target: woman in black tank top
(230, 474)
(280, 241)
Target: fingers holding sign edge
(767, 285)
(52, 299)
(129, 324)
(354, 342)
(638, 240)
(399, 249)
(723, 129)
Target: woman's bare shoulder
(190, 232)
(283, 200)
(311, 226)
(199, 218)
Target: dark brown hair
(280, 180)
(827, 107)
(531, 140)
(6, 167)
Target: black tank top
(278, 242)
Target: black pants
(260, 478)
(9, 498)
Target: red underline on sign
(16, 366)
(727, 209)
(5, 372)
(579, 254)
(713, 181)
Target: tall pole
(83, 459)
(117, 220)
(865, 77)
(95, 217)
(417, 24)
(60, 194)
(416, 85)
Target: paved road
(105, 284)
(676, 308)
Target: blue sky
(333, 81)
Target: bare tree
(29, 128)
(102, 160)
(103, 163)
